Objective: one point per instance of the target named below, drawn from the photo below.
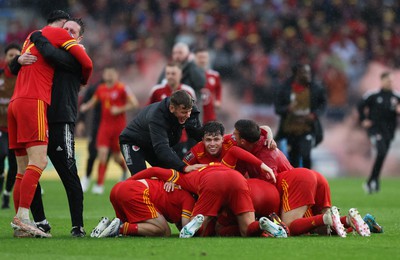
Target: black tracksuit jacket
(155, 130)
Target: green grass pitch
(346, 193)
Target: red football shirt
(209, 94)
(193, 180)
(275, 159)
(217, 186)
(161, 91)
(35, 81)
(198, 153)
(172, 205)
(109, 97)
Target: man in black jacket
(61, 116)
(151, 134)
(299, 103)
(378, 112)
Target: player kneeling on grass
(144, 208)
(266, 202)
(217, 186)
(305, 194)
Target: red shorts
(323, 196)
(109, 137)
(297, 188)
(265, 199)
(131, 202)
(223, 187)
(27, 123)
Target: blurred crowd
(253, 43)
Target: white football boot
(191, 228)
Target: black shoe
(78, 232)
(6, 202)
(372, 186)
(44, 227)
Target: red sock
(304, 225)
(102, 173)
(343, 220)
(17, 190)
(28, 185)
(229, 231)
(253, 230)
(129, 229)
(209, 229)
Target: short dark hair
(181, 97)
(12, 45)
(248, 130)
(174, 64)
(80, 23)
(57, 15)
(213, 128)
(200, 49)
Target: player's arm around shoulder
(59, 57)
(65, 41)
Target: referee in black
(378, 115)
(61, 116)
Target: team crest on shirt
(211, 81)
(114, 95)
(189, 156)
(135, 148)
(206, 96)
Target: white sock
(23, 213)
(43, 222)
(327, 219)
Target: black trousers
(92, 150)
(382, 146)
(136, 158)
(299, 150)
(5, 152)
(61, 151)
